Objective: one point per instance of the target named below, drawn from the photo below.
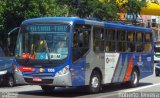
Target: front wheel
(95, 82)
(10, 82)
(157, 73)
(47, 89)
(134, 78)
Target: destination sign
(48, 28)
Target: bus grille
(44, 81)
(39, 74)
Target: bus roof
(87, 21)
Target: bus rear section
(124, 54)
(157, 52)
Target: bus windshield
(43, 42)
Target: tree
(16, 11)
(91, 8)
(106, 11)
(132, 7)
(2, 4)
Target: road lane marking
(139, 88)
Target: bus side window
(147, 46)
(110, 40)
(139, 42)
(81, 41)
(130, 42)
(98, 39)
(121, 40)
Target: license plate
(37, 79)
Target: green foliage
(2, 4)
(133, 7)
(13, 12)
(106, 11)
(91, 8)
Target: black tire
(125, 84)
(134, 78)
(157, 74)
(10, 81)
(47, 89)
(95, 82)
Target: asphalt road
(149, 87)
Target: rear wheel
(47, 89)
(10, 82)
(134, 78)
(156, 72)
(95, 82)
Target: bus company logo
(41, 70)
(107, 60)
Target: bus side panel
(94, 60)
(145, 63)
(125, 64)
(126, 59)
(111, 63)
(123, 68)
(78, 72)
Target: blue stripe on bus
(115, 71)
(124, 67)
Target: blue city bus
(70, 51)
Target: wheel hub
(95, 82)
(135, 78)
(10, 81)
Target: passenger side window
(81, 41)
(147, 45)
(121, 40)
(130, 41)
(110, 40)
(98, 39)
(139, 42)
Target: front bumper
(19, 78)
(63, 80)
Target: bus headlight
(63, 71)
